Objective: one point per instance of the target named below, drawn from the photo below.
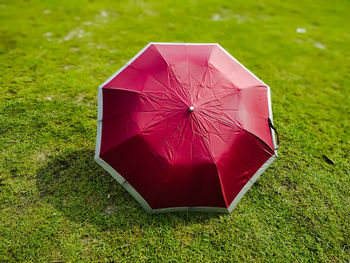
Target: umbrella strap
(278, 138)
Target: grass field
(57, 204)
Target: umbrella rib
(122, 89)
(261, 140)
(189, 79)
(178, 85)
(168, 69)
(217, 97)
(209, 122)
(157, 122)
(171, 91)
(221, 121)
(180, 139)
(218, 173)
(255, 86)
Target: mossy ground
(57, 204)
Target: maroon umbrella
(185, 127)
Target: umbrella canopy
(185, 127)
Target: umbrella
(185, 127)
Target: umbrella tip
(191, 108)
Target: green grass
(57, 204)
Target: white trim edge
(250, 183)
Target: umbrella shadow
(82, 191)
